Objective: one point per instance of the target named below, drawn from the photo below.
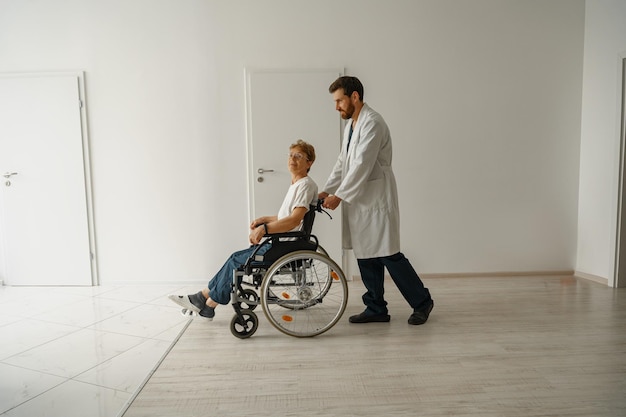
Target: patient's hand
(257, 234)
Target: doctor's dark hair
(349, 85)
(305, 147)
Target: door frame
(619, 273)
(80, 77)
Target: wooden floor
(501, 347)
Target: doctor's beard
(347, 113)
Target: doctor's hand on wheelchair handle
(329, 201)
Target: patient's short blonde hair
(305, 147)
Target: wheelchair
(302, 291)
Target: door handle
(263, 171)
(8, 175)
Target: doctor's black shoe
(421, 316)
(369, 318)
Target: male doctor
(363, 179)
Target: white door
(284, 106)
(44, 229)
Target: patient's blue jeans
(220, 285)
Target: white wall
(483, 99)
(605, 47)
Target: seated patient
(301, 193)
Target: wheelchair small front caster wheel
(252, 297)
(245, 328)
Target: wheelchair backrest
(309, 218)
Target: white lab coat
(363, 179)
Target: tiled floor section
(81, 351)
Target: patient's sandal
(193, 302)
(206, 313)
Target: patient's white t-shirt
(300, 194)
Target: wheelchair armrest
(285, 234)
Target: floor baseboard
(498, 274)
(591, 277)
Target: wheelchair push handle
(318, 207)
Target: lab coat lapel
(356, 133)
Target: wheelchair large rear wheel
(321, 250)
(304, 293)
